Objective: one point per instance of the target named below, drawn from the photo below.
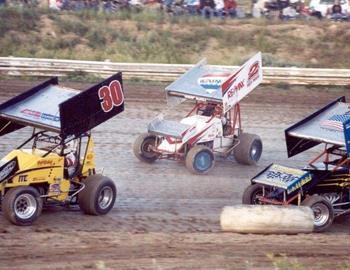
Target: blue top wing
(283, 177)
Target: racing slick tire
(323, 212)
(249, 149)
(141, 148)
(250, 194)
(98, 196)
(200, 159)
(266, 219)
(22, 205)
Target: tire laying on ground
(267, 219)
(249, 149)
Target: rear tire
(142, 150)
(22, 205)
(200, 159)
(250, 194)
(323, 212)
(249, 149)
(98, 196)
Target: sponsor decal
(54, 188)
(336, 122)
(235, 89)
(22, 178)
(253, 73)
(284, 177)
(37, 179)
(212, 81)
(7, 169)
(40, 115)
(301, 182)
(111, 96)
(45, 162)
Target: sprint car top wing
(210, 83)
(330, 124)
(49, 106)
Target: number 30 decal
(111, 96)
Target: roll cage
(233, 123)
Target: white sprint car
(213, 127)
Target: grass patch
(17, 19)
(71, 25)
(282, 262)
(158, 37)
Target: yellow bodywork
(36, 170)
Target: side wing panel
(93, 106)
(241, 83)
(347, 136)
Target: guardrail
(13, 66)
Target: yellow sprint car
(56, 164)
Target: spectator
(207, 8)
(55, 4)
(289, 13)
(78, 5)
(106, 6)
(219, 8)
(168, 5)
(336, 11)
(192, 6)
(302, 11)
(178, 7)
(230, 7)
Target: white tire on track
(267, 219)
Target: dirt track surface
(164, 217)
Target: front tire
(200, 159)
(142, 147)
(22, 205)
(323, 212)
(250, 194)
(249, 149)
(98, 196)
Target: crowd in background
(284, 9)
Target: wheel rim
(203, 161)
(25, 206)
(105, 198)
(255, 150)
(321, 213)
(258, 192)
(146, 148)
